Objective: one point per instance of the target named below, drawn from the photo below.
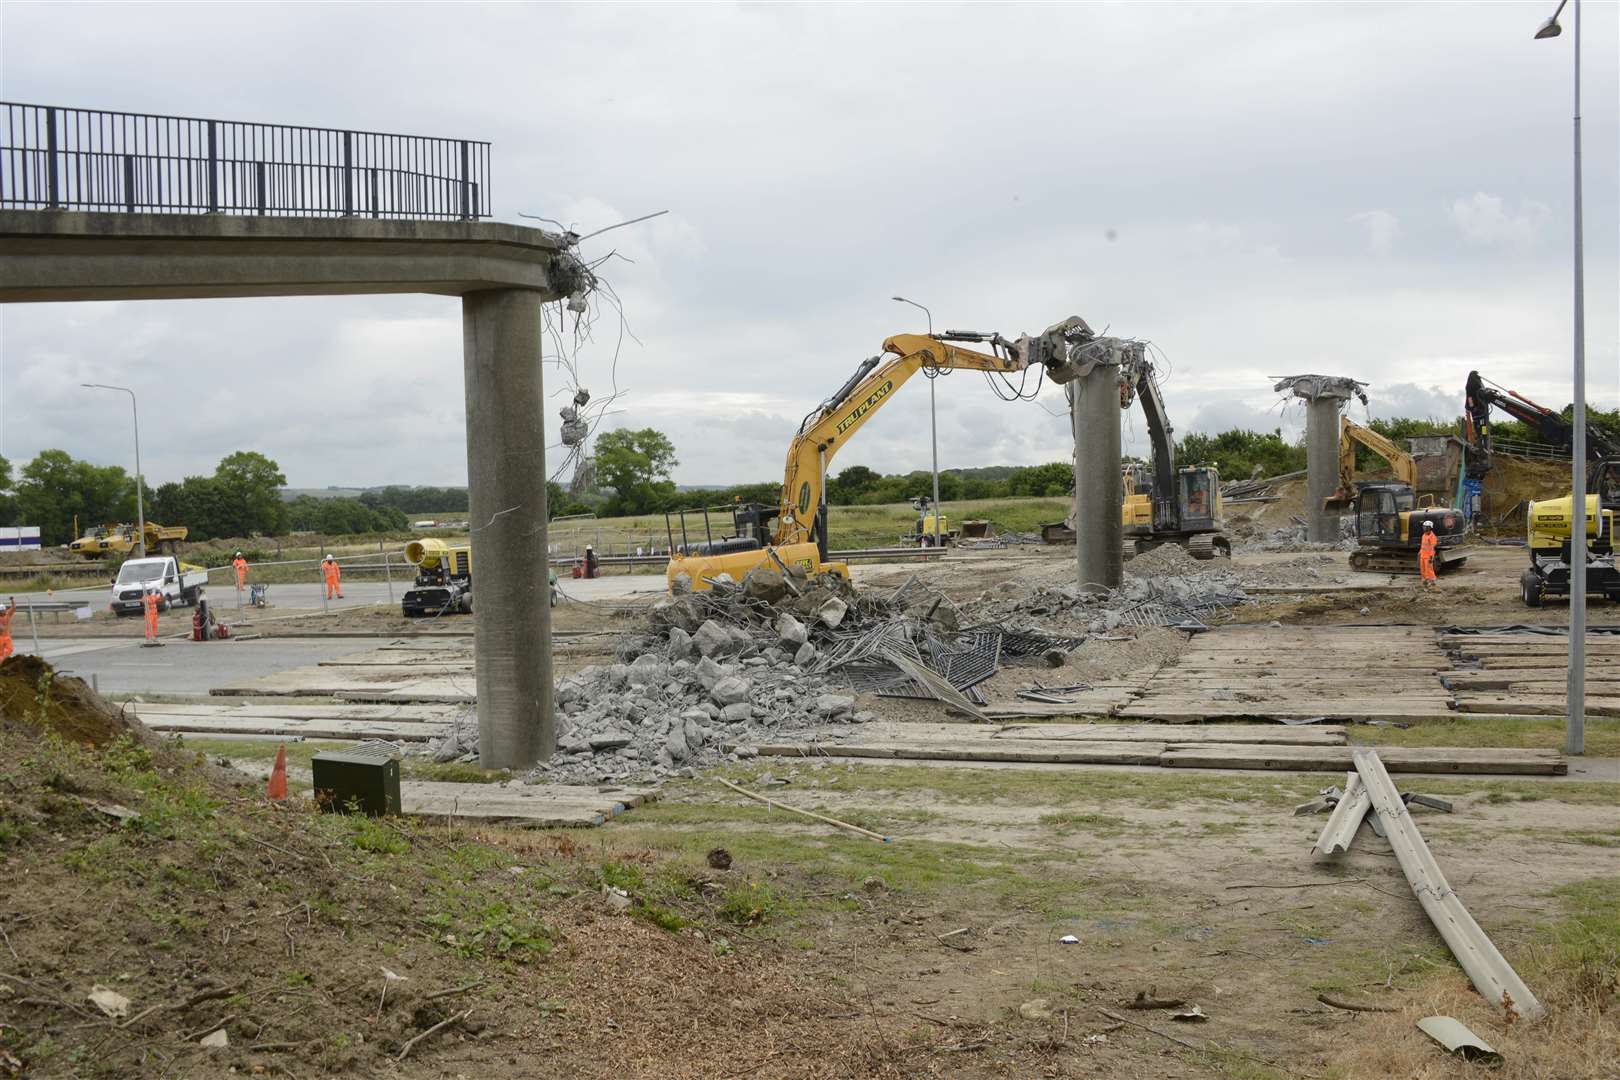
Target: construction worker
(334, 578)
(590, 562)
(1426, 553)
(150, 602)
(241, 572)
(5, 629)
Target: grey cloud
(810, 177)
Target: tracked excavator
(1162, 504)
(1389, 519)
(1481, 396)
(1550, 523)
(792, 535)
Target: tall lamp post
(933, 423)
(140, 504)
(1575, 719)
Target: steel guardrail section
(1345, 820)
(1487, 969)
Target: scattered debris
(1146, 999)
(1068, 939)
(1351, 1006)
(1455, 1036)
(1490, 973)
(215, 1040)
(111, 1003)
(1194, 1015)
(774, 805)
(1035, 1009)
(719, 859)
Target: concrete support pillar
(1321, 468)
(506, 477)
(1324, 396)
(1098, 490)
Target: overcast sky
(1374, 190)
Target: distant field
(849, 526)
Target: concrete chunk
(711, 638)
(791, 630)
(730, 690)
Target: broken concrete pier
(1098, 491)
(1324, 396)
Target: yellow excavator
(1389, 519)
(793, 534)
(1163, 503)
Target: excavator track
(1209, 546)
(1384, 561)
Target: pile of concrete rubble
(707, 677)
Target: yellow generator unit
(443, 578)
(432, 554)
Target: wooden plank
(538, 805)
(297, 710)
(1527, 706)
(1063, 753)
(1427, 759)
(296, 728)
(1222, 711)
(1310, 735)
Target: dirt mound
(1166, 560)
(32, 694)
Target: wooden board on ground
(283, 727)
(1486, 701)
(1424, 759)
(1278, 757)
(535, 805)
(1303, 735)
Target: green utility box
(356, 781)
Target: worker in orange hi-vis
(241, 571)
(1426, 553)
(334, 578)
(5, 628)
(150, 602)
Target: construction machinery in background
(1480, 396)
(1551, 528)
(443, 578)
(1389, 515)
(1163, 504)
(118, 538)
(793, 534)
(931, 526)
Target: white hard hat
(328, 556)
(238, 553)
(1428, 524)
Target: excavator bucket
(1340, 502)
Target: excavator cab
(1378, 512)
(1200, 498)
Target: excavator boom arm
(1351, 433)
(847, 411)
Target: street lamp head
(1549, 29)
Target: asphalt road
(307, 597)
(119, 666)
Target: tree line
(243, 496)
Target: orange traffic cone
(277, 788)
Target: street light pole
(140, 502)
(933, 422)
(1575, 716)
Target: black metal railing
(89, 159)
